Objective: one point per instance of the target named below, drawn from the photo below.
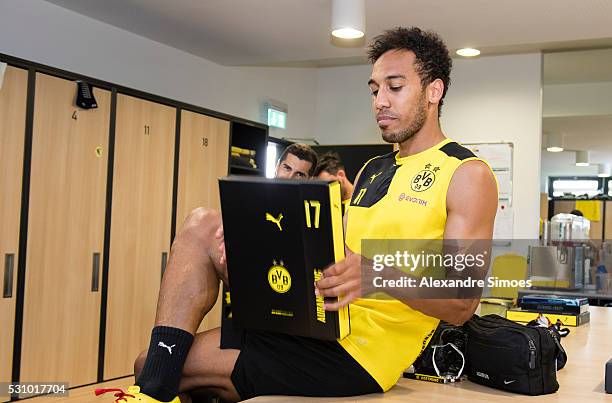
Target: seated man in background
(298, 161)
(331, 168)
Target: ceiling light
(554, 142)
(347, 33)
(603, 170)
(468, 52)
(582, 158)
(348, 19)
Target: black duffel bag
(506, 355)
(444, 356)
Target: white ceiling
(584, 66)
(296, 32)
(589, 133)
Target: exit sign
(277, 118)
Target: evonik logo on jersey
(411, 199)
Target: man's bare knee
(202, 222)
(198, 234)
(139, 363)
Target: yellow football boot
(132, 395)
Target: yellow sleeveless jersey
(397, 198)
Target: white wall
(499, 99)
(581, 99)
(344, 112)
(491, 99)
(43, 32)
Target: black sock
(161, 373)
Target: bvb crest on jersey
(279, 278)
(424, 179)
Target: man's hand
(221, 248)
(343, 280)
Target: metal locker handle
(9, 260)
(95, 273)
(164, 262)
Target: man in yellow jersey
(431, 189)
(330, 167)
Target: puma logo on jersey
(163, 345)
(374, 177)
(270, 217)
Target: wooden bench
(588, 348)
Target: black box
(554, 304)
(279, 236)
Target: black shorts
(278, 364)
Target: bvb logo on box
(279, 278)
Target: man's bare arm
(471, 205)
(471, 208)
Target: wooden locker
(140, 227)
(608, 223)
(544, 206)
(596, 232)
(203, 158)
(13, 96)
(566, 206)
(69, 167)
(563, 206)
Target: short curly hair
(329, 162)
(433, 60)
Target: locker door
(12, 129)
(203, 159)
(608, 223)
(65, 235)
(140, 227)
(566, 206)
(597, 227)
